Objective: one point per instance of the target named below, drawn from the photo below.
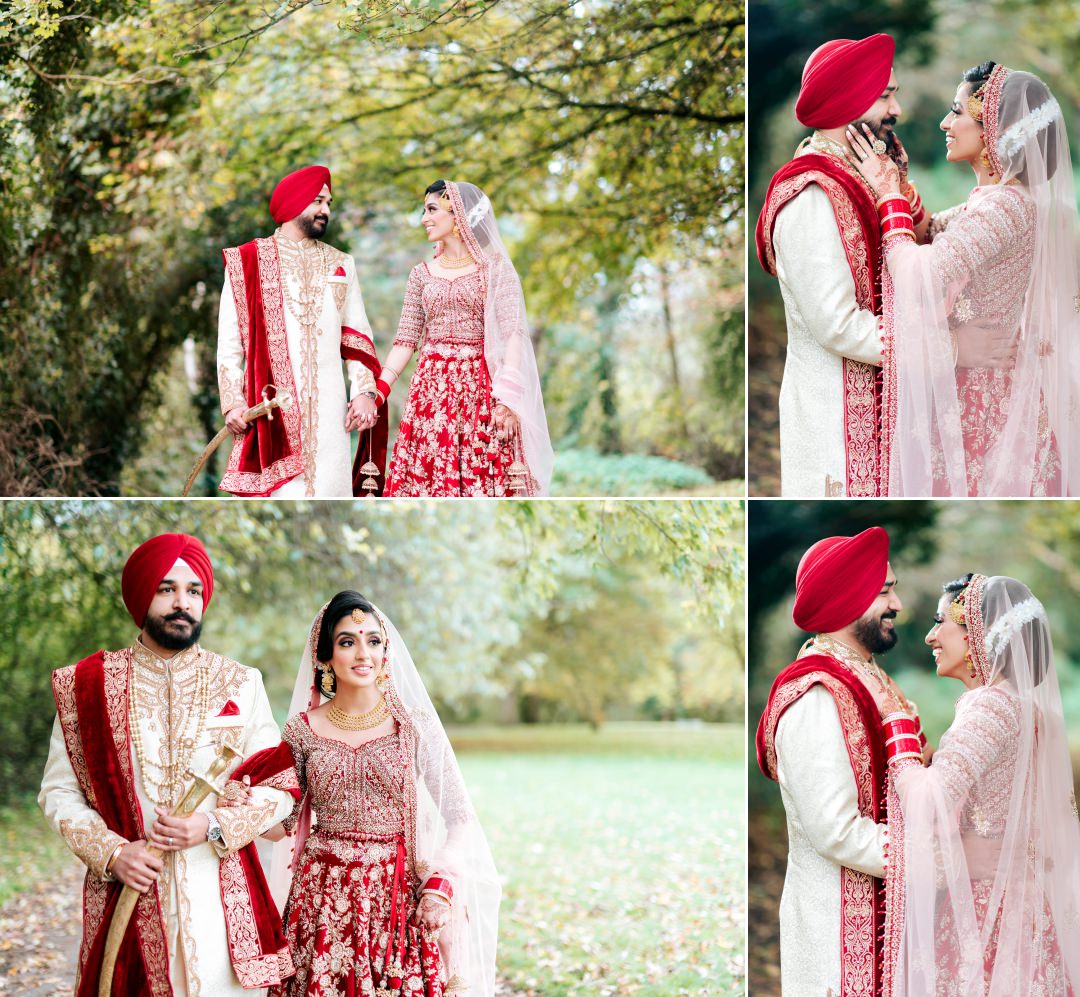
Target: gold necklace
(870, 668)
(363, 721)
(455, 262)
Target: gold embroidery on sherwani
(187, 930)
(230, 390)
(92, 842)
(305, 268)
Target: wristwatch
(213, 832)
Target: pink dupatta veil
(983, 884)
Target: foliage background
(531, 611)
(935, 42)
(930, 544)
(138, 137)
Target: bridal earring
(326, 683)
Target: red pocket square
(230, 709)
(340, 272)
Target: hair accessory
(358, 616)
(1028, 127)
(478, 210)
(444, 203)
(1008, 625)
(957, 609)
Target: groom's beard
(313, 227)
(882, 129)
(873, 636)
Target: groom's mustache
(888, 616)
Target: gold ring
(879, 147)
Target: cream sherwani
(322, 296)
(825, 324)
(825, 831)
(166, 694)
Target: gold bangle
(112, 858)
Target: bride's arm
(979, 739)
(410, 328)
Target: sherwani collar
(178, 665)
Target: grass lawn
(29, 850)
(623, 855)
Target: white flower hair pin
(1007, 626)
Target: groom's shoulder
(220, 664)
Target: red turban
(296, 191)
(842, 79)
(838, 579)
(151, 561)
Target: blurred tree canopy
(537, 611)
(138, 138)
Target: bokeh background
(139, 138)
(930, 543)
(936, 40)
(586, 657)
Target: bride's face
(963, 134)
(438, 220)
(358, 652)
(948, 640)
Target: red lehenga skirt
(343, 930)
(446, 443)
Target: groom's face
(316, 215)
(875, 628)
(883, 113)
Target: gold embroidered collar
(179, 664)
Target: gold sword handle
(200, 788)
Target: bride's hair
(435, 188)
(979, 74)
(958, 585)
(341, 605)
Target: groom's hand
(985, 346)
(363, 413)
(171, 834)
(136, 868)
(235, 420)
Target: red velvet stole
(860, 234)
(373, 442)
(862, 897)
(258, 948)
(93, 743)
(270, 453)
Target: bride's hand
(506, 423)
(432, 915)
(987, 346)
(237, 794)
(878, 169)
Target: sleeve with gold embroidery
(242, 825)
(292, 737)
(978, 740)
(354, 318)
(411, 324)
(70, 814)
(231, 357)
(987, 231)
